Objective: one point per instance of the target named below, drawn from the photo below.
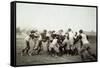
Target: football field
(45, 58)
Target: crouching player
(85, 51)
(54, 47)
(25, 51)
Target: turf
(44, 58)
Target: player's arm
(80, 37)
(68, 36)
(87, 37)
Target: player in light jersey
(70, 36)
(83, 39)
(54, 42)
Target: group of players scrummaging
(58, 44)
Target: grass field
(44, 58)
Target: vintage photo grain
(47, 34)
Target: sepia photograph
(53, 34)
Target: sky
(54, 17)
